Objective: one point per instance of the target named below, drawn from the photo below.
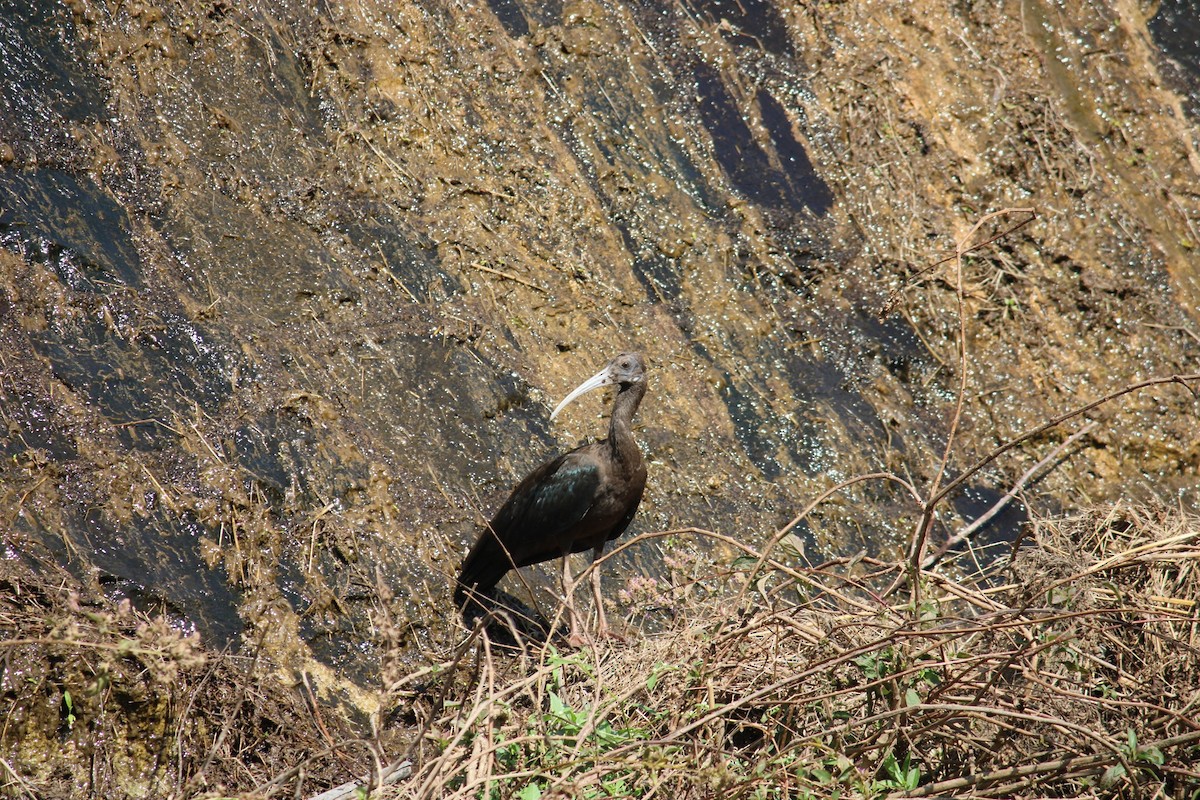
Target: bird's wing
(620, 527)
(545, 506)
(534, 523)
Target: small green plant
(900, 775)
(563, 740)
(878, 664)
(68, 709)
(827, 778)
(1135, 756)
(660, 668)
(559, 663)
(885, 663)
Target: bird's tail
(482, 569)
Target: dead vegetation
(102, 700)
(1069, 671)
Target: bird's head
(624, 371)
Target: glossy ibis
(578, 501)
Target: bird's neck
(620, 425)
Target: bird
(578, 501)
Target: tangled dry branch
(1069, 672)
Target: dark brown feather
(575, 502)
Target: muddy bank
(102, 700)
(286, 295)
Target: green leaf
(616, 788)
(557, 707)
(869, 664)
(1151, 755)
(660, 669)
(69, 705)
(530, 792)
(1112, 775)
(930, 676)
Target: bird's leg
(601, 621)
(575, 637)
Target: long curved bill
(600, 379)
